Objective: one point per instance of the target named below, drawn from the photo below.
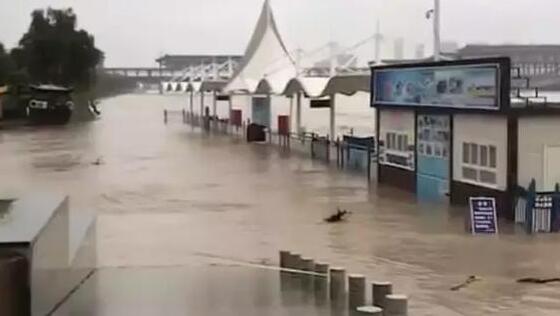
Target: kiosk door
(433, 152)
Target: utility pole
(299, 56)
(437, 47)
(333, 51)
(378, 37)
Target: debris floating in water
(98, 162)
(470, 279)
(538, 281)
(339, 216)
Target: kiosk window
(397, 141)
(466, 152)
(479, 163)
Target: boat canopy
(51, 88)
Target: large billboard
(465, 86)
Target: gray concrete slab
(194, 290)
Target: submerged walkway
(173, 204)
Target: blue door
(261, 111)
(433, 152)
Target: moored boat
(50, 104)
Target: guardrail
(346, 155)
(538, 212)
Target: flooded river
(168, 197)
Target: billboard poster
(458, 86)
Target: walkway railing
(538, 212)
(345, 153)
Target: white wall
(279, 105)
(483, 130)
(401, 121)
(397, 121)
(535, 134)
(242, 102)
(352, 112)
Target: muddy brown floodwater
(169, 197)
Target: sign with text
(483, 215)
(319, 103)
(459, 86)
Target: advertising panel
(456, 86)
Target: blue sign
(483, 215)
(457, 86)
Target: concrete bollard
(321, 268)
(369, 310)
(320, 283)
(295, 261)
(379, 290)
(338, 282)
(284, 258)
(356, 291)
(307, 264)
(396, 305)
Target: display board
(464, 84)
(433, 136)
(483, 215)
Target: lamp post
(435, 15)
(437, 48)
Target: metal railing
(346, 155)
(538, 212)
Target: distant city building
(449, 47)
(399, 48)
(419, 52)
(532, 60)
(344, 62)
(179, 62)
(348, 60)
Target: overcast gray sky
(135, 32)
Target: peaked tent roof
(266, 56)
(311, 86)
(348, 84)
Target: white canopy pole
(269, 104)
(214, 104)
(230, 109)
(298, 112)
(291, 113)
(332, 118)
(201, 103)
(191, 101)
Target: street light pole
(437, 48)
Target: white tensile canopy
(266, 56)
(312, 87)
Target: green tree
(54, 51)
(7, 66)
